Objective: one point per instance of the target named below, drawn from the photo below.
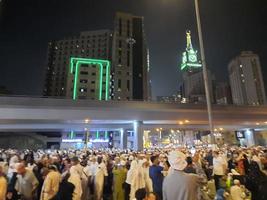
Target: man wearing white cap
(179, 185)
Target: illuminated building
(193, 82)
(88, 79)
(246, 79)
(190, 60)
(130, 63)
(124, 47)
(87, 45)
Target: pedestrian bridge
(50, 114)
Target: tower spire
(190, 59)
(188, 40)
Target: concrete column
(123, 140)
(138, 136)
(86, 135)
(250, 138)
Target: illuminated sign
(71, 140)
(99, 140)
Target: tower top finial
(188, 40)
(190, 60)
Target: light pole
(160, 136)
(86, 138)
(205, 72)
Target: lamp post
(86, 138)
(160, 135)
(205, 72)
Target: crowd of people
(227, 173)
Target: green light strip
(91, 61)
(75, 82)
(97, 134)
(106, 134)
(194, 65)
(190, 65)
(100, 81)
(107, 79)
(72, 134)
(183, 66)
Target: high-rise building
(193, 81)
(89, 79)
(110, 64)
(246, 80)
(223, 93)
(88, 52)
(130, 58)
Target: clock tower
(193, 90)
(190, 60)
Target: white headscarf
(177, 160)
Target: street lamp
(205, 71)
(160, 136)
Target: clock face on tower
(192, 58)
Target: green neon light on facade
(106, 134)
(72, 134)
(97, 134)
(183, 66)
(76, 62)
(100, 82)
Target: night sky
(229, 26)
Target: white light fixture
(71, 140)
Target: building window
(83, 90)
(92, 90)
(84, 65)
(92, 82)
(84, 73)
(119, 83)
(83, 81)
(93, 73)
(120, 45)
